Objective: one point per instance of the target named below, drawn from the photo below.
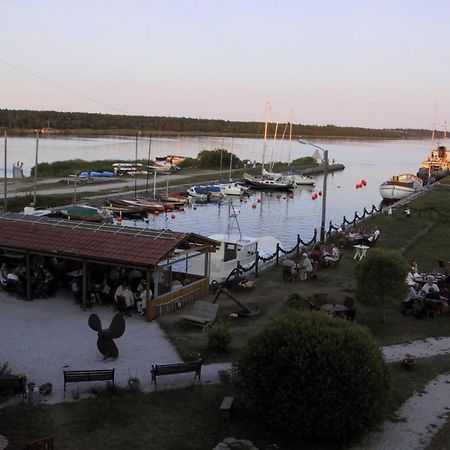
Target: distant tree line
(22, 121)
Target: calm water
(280, 216)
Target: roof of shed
(108, 243)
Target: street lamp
(324, 188)
(36, 167)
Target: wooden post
(277, 259)
(256, 264)
(5, 194)
(28, 276)
(84, 292)
(147, 294)
(298, 244)
(207, 265)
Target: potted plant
(134, 383)
(409, 360)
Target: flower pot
(134, 385)
(408, 364)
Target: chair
(320, 299)
(41, 444)
(349, 302)
(122, 306)
(203, 314)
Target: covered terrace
(153, 252)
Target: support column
(84, 291)
(206, 273)
(28, 268)
(147, 294)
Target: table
(334, 307)
(361, 251)
(3, 442)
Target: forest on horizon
(27, 121)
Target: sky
(370, 63)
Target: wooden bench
(76, 376)
(226, 406)
(14, 384)
(202, 314)
(172, 369)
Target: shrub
(219, 338)
(297, 302)
(381, 279)
(313, 376)
(4, 369)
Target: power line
(60, 86)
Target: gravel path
(420, 349)
(420, 417)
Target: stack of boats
(140, 206)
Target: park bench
(13, 384)
(173, 369)
(226, 406)
(76, 376)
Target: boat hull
(400, 186)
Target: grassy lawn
(179, 419)
(270, 295)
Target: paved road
(101, 186)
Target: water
(274, 214)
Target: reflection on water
(280, 216)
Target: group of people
(361, 236)
(431, 293)
(308, 264)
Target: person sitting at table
(411, 299)
(141, 304)
(351, 235)
(363, 230)
(412, 276)
(305, 267)
(317, 255)
(128, 296)
(430, 289)
(333, 257)
(375, 235)
(414, 265)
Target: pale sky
(372, 63)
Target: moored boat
(437, 165)
(234, 249)
(232, 188)
(205, 192)
(280, 184)
(81, 212)
(400, 186)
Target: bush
(314, 376)
(297, 302)
(381, 279)
(219, 338)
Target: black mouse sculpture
(105, 343)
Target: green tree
(380, 279)
(310, 375)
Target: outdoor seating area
(429, 293)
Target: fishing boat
(437, 165)
(205, 192)
(235, 248)
(121, 209)
(400, 186)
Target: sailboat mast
(273, 145)
(266, 119)
(290, 139)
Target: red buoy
(173, 216)
(259, 200)
(181, 209)
(320, 193)
(363, 182)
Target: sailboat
(267, 180)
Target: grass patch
(185, 418)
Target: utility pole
(136, 164)
(5, 193)
(36, 168)
(148, 163)
(324, 187)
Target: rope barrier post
(298, 244)
(277, 254)
(256, 264)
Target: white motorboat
(400, 186)
(235, 248)
(39, 211)
(303, 180)
(232, 188)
